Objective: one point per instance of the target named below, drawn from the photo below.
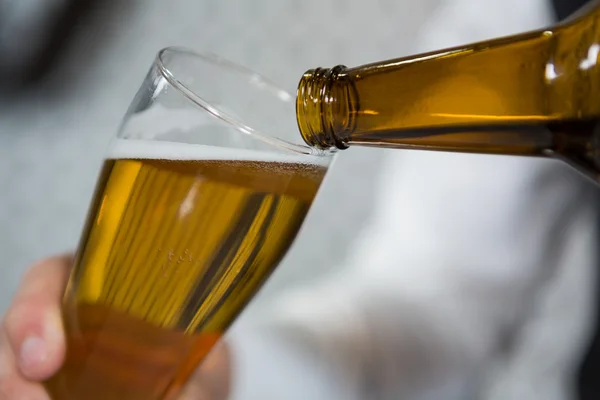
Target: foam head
(164, 150)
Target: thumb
(33, 323)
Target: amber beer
(178, 239)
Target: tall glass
(202, 193)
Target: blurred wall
(53, 136)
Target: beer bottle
(536, 94)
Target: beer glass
(201, 194)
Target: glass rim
(215, 111)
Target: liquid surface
(172, 252)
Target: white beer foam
(165, 150)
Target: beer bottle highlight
(535, 94)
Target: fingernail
(33, 352)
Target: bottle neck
(326, 106)
(507, 84)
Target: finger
(33, 323)
(211, 381)
(12, 385)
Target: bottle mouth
(323, 108)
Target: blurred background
(69, 68)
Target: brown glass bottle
(536, 93)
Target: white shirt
(474, 279)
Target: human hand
(32, 341)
